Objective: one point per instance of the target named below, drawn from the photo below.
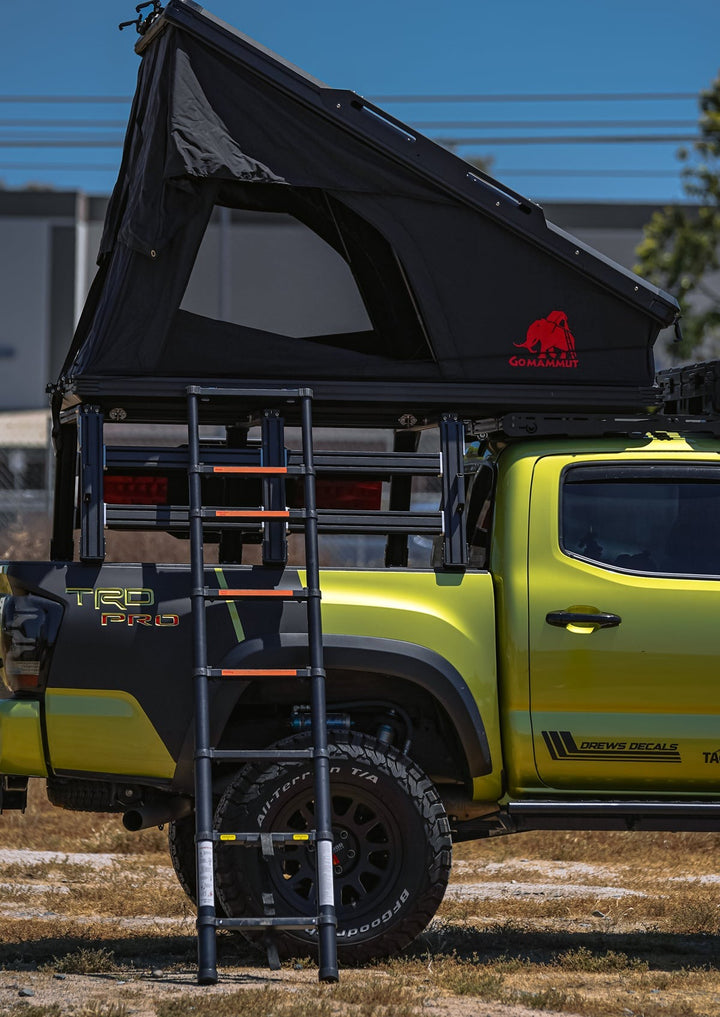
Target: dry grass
(121, 894)
(47, 828)
(576, 981)
(102, 1009)
(85, 961)
(533, 927)
(665, 851)
(265, 1002)
(653, 881)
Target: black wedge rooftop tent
(474, 302)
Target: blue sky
(383, 47)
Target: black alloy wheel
(391, 848)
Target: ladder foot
(327, 942)
(272, 953)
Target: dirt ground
(94, 924)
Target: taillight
(354, 494)
(28, 629)
(365, 495)
(126, 489)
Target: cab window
(648, 519)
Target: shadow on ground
(659, 950)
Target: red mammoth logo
(550, 342)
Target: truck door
(624, 636)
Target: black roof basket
(693, 388)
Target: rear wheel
(391, 848)
(181, 842)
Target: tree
(681, 245)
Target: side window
(270, 272)
(655, 520)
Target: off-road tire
(181, 843)
(392, 848)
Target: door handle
(600, 620)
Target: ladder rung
(266, 923)
(280, 755)
(247, 470)
(245, 513)
(213, 594)
(253, 838)
(259, 672)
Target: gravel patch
(550, 891)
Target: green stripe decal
(232, 607)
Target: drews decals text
(129, 606)
(563, 748)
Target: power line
(60, 143)
(546, 97)
(546, 124)
(520, 171)
(420, 124)
(66, 99)
(27, 124)
(58, 167)
(564, 172)
(582, 139)
(23, 124)
(508, 97)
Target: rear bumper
(21, 748)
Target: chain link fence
(26, 466)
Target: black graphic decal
(562, 746)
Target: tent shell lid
(421, 157)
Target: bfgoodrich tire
(391, 848)
(181, 842)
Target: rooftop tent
(467, 288)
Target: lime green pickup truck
(519, 631)
(536, 688)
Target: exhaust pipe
(158, 811)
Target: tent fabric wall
(453, 292)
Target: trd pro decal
(123, 606)
(549, 343)
(562, 747)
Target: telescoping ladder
(271, 468)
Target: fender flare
(417, 664)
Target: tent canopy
(463, 281)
